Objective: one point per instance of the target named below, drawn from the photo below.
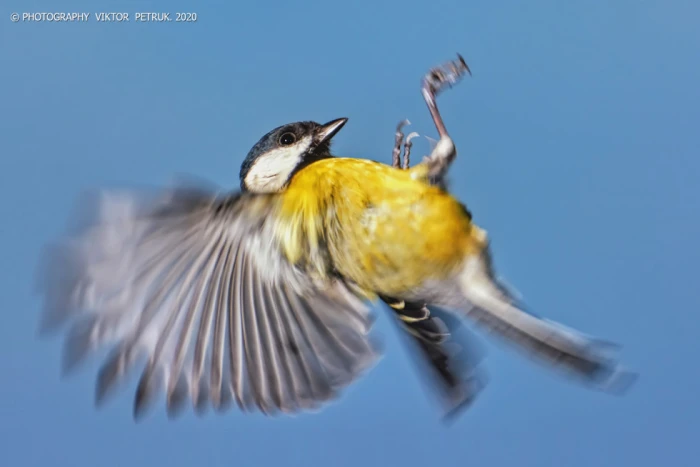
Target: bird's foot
(434, 82)
(446, 75)
(407, 144)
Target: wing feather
(273, 367)
(290, 348)
(236, 352)
(196, 283)
(218, 350)
(175, 388)
(205, 328)
(254, 361)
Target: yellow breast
(386, 229)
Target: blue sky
(578, 138)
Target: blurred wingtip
(85, 212)
(620, 382)
(56, 275)
(450, 417)
(76, 347)
(471, 389)
(176, 398)
(109, 376)
(145, 391)
(377, 344)
(48, 325)
(139, 414)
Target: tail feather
(586, 358)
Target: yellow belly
(385, 229)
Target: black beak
(327, 131)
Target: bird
(261, 297)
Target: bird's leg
(407, 144)
(431, 335)
(434, 82)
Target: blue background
(578, 138)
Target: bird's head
(282, 152)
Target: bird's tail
(586, 358)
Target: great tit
(260, 296)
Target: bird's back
(386, 229)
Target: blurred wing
(448, 359)
(195, 284)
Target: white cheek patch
(272, 169)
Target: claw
(463, 64)
(396, 154)
(402, 123)
(432, 141)
(407, 149)
(433, 83)
(448, 74)
(442, 152)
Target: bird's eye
(287, 139)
